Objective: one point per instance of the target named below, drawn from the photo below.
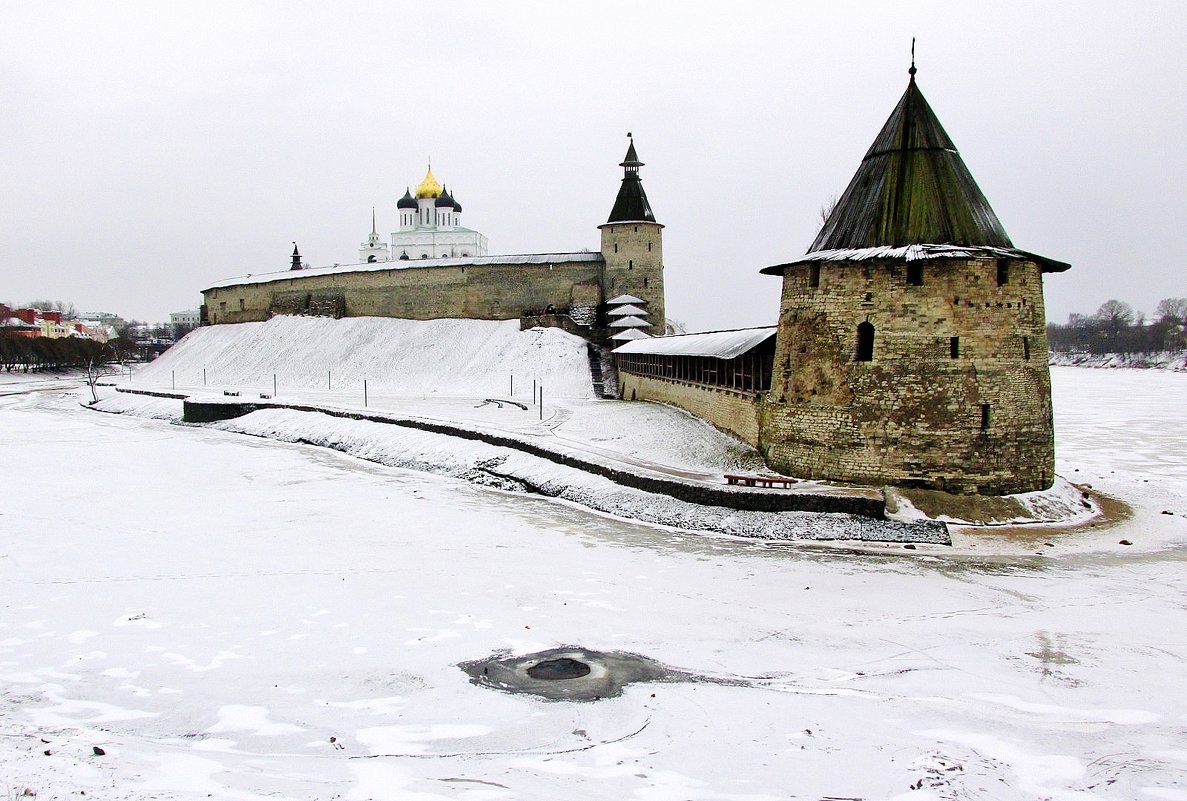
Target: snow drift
(412, 357)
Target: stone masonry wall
(634, 254)
(969, 416)
(480, 292)
(732, 412)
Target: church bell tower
(632, 245)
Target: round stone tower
(912, 346)
(632, 245)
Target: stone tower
(632, 245)
(912, 346)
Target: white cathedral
(430, 228)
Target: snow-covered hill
(413, 357)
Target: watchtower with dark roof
(912, 337)
(632, 245)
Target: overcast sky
(153, 148)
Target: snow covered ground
(236, 618)
(407, 358)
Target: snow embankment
(412, 357)
(1175, 360)
(512, 470)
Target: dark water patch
(570, 673)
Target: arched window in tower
(1003, 272)
(630, 264)
(865, 342)
(914, 274)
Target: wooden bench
(759, 481)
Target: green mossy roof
(911, 188)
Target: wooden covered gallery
(734, 360)
(719, 376)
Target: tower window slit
(915, 274)
(954, 347)
(630, 264)
(865, 342)
(1003, 272)
(984, 416)
(1026, 348)
(814, 275)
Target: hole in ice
(558, 669)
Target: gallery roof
(715, 344)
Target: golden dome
(429, 186)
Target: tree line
(31, 354)
(1117, 328)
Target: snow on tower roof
(630, 308)
(919, 252)
(631, 334)
(630, 322)
(716, 344)
(624, 299)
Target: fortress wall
(480, 292)
(732, 412)
(913, 414)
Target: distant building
(189, 317)
(430, 228)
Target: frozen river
(233, 618)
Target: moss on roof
(912, 188)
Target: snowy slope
(413, 357)
(242, 619)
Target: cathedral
(430, 228)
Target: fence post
(274, 385)
(513, 385)
(541, 401)
(173, 378)
(329, 384)
(533, 390)
(364, 393)
(203, 376)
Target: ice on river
(237, 618)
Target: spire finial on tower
(373, 222)
(912, 71)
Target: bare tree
(827, 208)
(1171, 310)
(1114, 316)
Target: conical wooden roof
(631, 204)
(912, 188)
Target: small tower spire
(296, 258)
(631, 203)
(912, 71)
